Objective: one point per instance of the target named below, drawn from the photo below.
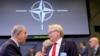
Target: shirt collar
(15, 42)
(96, 48)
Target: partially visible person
(12, 46)
(94, 43)
(46, 44)
(84, 50)
(60, 45)
(31, 52)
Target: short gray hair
(17, 29)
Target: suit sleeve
(73, 49)
(11, 51)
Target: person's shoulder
(99, 48)
(7, 44)
(98, 51)
(68, 40)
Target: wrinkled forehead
(52, 29)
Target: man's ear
(17, 34)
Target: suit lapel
(17, 48)
(98, 50)
(62, 47)
(48, 50)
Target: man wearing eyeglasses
(60, 45)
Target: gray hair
(17, 29)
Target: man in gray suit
(94, 43)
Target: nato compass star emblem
(41, 11)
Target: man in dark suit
(94, 44)
(84, 50)
(61, 46)
(12, 46)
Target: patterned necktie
(54, 49)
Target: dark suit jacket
(9, 48)
(84, 52)
(69, 47)
(97, 52)
(28, 54)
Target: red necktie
(54, 49)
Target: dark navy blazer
(67, 46)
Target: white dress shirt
(57, 47)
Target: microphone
(46, 44)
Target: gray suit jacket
(97, 52)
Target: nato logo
(41, 11)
